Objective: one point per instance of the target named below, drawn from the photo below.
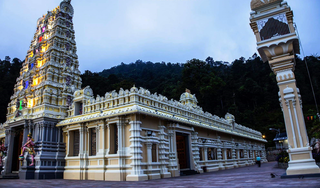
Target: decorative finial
(188, 91)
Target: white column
(103, 139)
(136, 157)
(120, 137)
(68, 143)
(108, 128)
(163, 146)
(97, 139)
(173, 165)
(149, 154)
(205, 151)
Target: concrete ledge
(141, 177)
(211, 169)
(154, 176)
(174, 173)
(285, 176)
(166, 175)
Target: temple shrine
(125, 135)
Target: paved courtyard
(251, 176)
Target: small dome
(188, 99)
(255, 4)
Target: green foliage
(245, 88)
(283, 157)
(9, 71)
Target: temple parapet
(85, 108)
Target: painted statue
(3, 149)
(29, 147)
(317, 146)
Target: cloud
(110, 32)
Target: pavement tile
(251, 176)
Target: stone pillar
(251, 160)
(173, 165)
(163, 152)
(205, 151)
(83, 154)
(121, 148)
(280, 53)
(97, 139)
(225, 154)
(109, 136)
(7, 161)
(135, 139)
(219, 154)
(149, 155)
(69, 141)
(233, 154)
(195, 151)
(103, 139)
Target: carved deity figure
(317, 145)
(2, 152)
(29, 147)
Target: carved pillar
(135, 139)
(7, 161)
(280, 53)
(173, 165)
(205, 151)
(149, 154)
(238, 154)
(163, 152)
(233, 153)
(219, 154)
(120, 137)
(195, 151)
(97, 138)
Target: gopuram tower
(42, 95)
(277, 43)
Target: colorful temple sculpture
(130, 135)
(277, 43)
(42, 95)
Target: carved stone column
(195, 151)
(135, 139)
(233, 154)
(219, 154)
(7, 161)
(163, 152)
(279, 49)
(173, 165)
(149, 155)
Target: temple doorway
(183, 151)
(17, 144)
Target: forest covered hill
(245, 88)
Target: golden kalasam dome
(260, 3)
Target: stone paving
(251, 176)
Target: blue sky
(110, 32)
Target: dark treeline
(9, 71)
(247, 88)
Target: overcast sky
(109, 32)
